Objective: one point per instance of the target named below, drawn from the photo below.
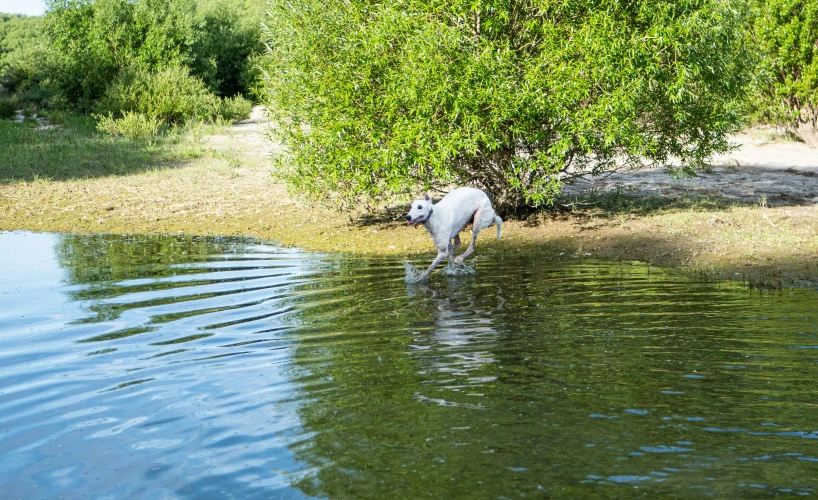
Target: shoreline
(226, 189)
(728, 244)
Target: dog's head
(420, 211)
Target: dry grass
(228, 190)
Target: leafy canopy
(514, 96)
(19, 46)
(94, 42)
(787, 88)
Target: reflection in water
(460, 342)
(207, 367)
(558, 379)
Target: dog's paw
(412, 273)
(416, 279)
(459, 269)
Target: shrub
(234, 108)
(7, 108)
(380, 98)
(92, 42)
(171, 95)
(33, 96)
(787, 87)
(60, 117)
(134, 126)
(223, 57)
(20, 50)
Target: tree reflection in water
(564, 378)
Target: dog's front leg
(441, 254)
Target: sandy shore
(764, 230)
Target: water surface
(173, 366)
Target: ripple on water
(201, 367)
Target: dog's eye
(420, 207)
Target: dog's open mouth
(413, 222)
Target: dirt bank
(750, 222)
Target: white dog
(445, 219)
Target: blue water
(184, 367)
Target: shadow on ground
(383, 216)
(794, 267)
(76, 151)
(602, 205)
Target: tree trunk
(806, 126)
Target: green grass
(76, 150)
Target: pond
(177, 366)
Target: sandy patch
(775, 173)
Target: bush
(92, 42)
(383, 98)
(33, 96)
(234, 108)
(787, 87)
(223, 57)
(134, 126)
(171, 95)
(20, 50)
(7, 108)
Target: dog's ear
(426, 197)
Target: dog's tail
(499, 222)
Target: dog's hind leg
(454, 245)
(483, 218)
(475, 231)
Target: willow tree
(787, 85)
(373, 99)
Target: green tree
(20, 49)
(95, 42)
(787, 89)
(514, 96)
(92, 42)
(224, 56)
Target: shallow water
(161, 367)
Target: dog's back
(460, 205)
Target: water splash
(460, 269)
(413, 275)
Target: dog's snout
(408, 217)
